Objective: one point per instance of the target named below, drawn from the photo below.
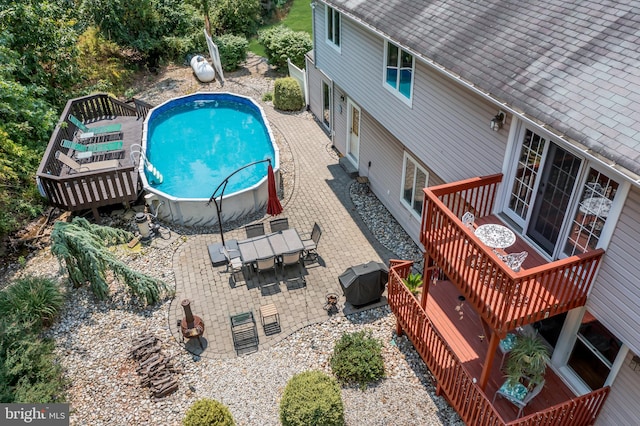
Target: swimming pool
(194, 142)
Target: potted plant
(413, 283)
(527, 360)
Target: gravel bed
(93, 338)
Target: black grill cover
(364, 284)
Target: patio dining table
(274, 244)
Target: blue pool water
(195, 142)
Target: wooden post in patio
(488, 362)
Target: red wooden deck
(467, 337)
(504, 298)
(450, 337)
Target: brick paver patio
(321, 194)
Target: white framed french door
(353, 135)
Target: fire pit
(191, 325)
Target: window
(414, 179)
(594, 352)
(399, 70)
(558, 199)
(596, 198)
(333, 26)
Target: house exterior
(528, 115)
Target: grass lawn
(298, 19)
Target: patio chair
(254, 230)
(277, 225)
(468, 220)
(87, 167)
(518, 394)
(234, 264)
(513, 260)
(265, 264)
(92, 147)
(96, 130)
(506, 345)
(292, 258)
(311, 244)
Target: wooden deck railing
(504, 298)
(91, 189)
(458, 386)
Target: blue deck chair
(96, 130)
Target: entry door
(553, 195)
(353, 138)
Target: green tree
(143, 25)
(44, 37)
(82, 247)
(240, 17)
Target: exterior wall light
(498, 121)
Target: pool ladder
(158, 179)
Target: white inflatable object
(203, 69)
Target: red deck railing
(504, 298)
(455, 382)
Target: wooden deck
(469, 339)
(74, 191)
(504, 298)
(450, 337)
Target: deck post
(491, 353)
(96, 214)
(398, 328)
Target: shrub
(33, 300)
(233, 51)
(312, 398)
(267, 97)
(281, 43)
(236, 16)
(413, 282)
(357, 358)
(208, 412)
(287, 94)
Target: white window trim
(396, 92)
(510, 167)
(418, 166)
(327, 10)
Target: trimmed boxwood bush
(281, 43)
(208, 412)
(287, 94)
(233, 51)
(312, 398)
(357, 358)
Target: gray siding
(385, 174)
(621, 407)
(445, 121)
(615, 296)
(314, 83)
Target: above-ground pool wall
(195, 212)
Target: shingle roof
(573, 65)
